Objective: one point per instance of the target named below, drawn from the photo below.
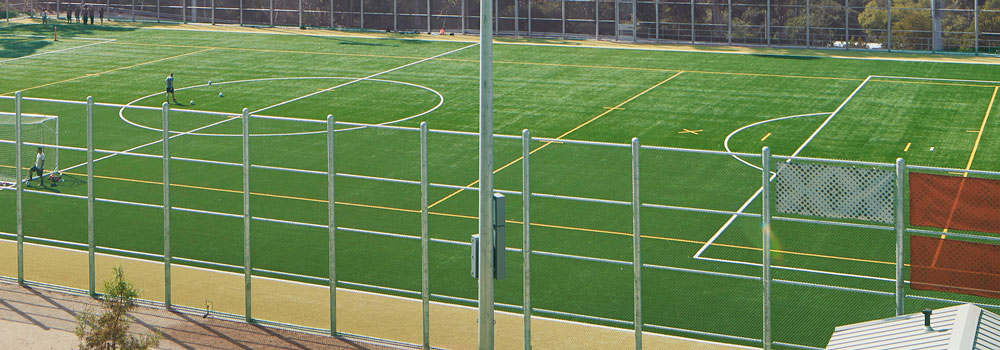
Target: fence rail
(746, 270)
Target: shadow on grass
(787, 57)
(15, 46)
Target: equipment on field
(209, 83)
(36, 131)
(192, 102)
(220, 93)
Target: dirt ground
(39, 319)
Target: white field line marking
(60, 50)
(262, 109)
(725, 143)
(796, 153)
(360, 79)
(152, 143)
(937, 79)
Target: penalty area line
(774, 174)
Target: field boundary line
(108, 71)
(547, 143)
(746, 204)
(57, 51)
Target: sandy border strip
(362, 313)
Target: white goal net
(36, 130)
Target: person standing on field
(170, 88)
(37, 168)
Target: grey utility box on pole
(499, 241)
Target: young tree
(109, 330)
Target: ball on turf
(932, 149)
(192, 102)
(209, 82)
(220, 94)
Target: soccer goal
(36, 130)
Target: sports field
(887, 106)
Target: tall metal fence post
(57, 8)
(847, 24)
(213, 12)
(808, 18)
(975, 24)
(428, 16)
(900, 233)
(395, 15)
(300, 13)
(888, 23)
(486, 256)
(167, 255)
(529, 18)
(597, 18)
(729, 24)
(692, 21)
(562, 4)
(157, 11)
(425, 240)
(90, 198)
(19, 204)
(526, 231)
(7, 11)
(271, 12)
(332, 25)
(767, 23)
(464, 19)
(362, 14)
(133, 10)
(656, 25)
(636, 245)
(765, 217)
(247, 267)
(331, 198)
(241, 13)
(184, 10)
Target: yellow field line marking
(614, 108)
(907, 148)
(272, 50)
(414, 211)
(542, 64)
(688, 131)
(982, 127)
(107, 71)
(968, 166)
(765, 137)
(559, 137)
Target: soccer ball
(192, 102)
(209, 82)
(220, 94)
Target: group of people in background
(83, 13)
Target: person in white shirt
(37, 168)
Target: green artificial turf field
(581, 267)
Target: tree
(109, 330)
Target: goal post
(36, 130)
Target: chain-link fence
(928, 25)
(224, 228)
